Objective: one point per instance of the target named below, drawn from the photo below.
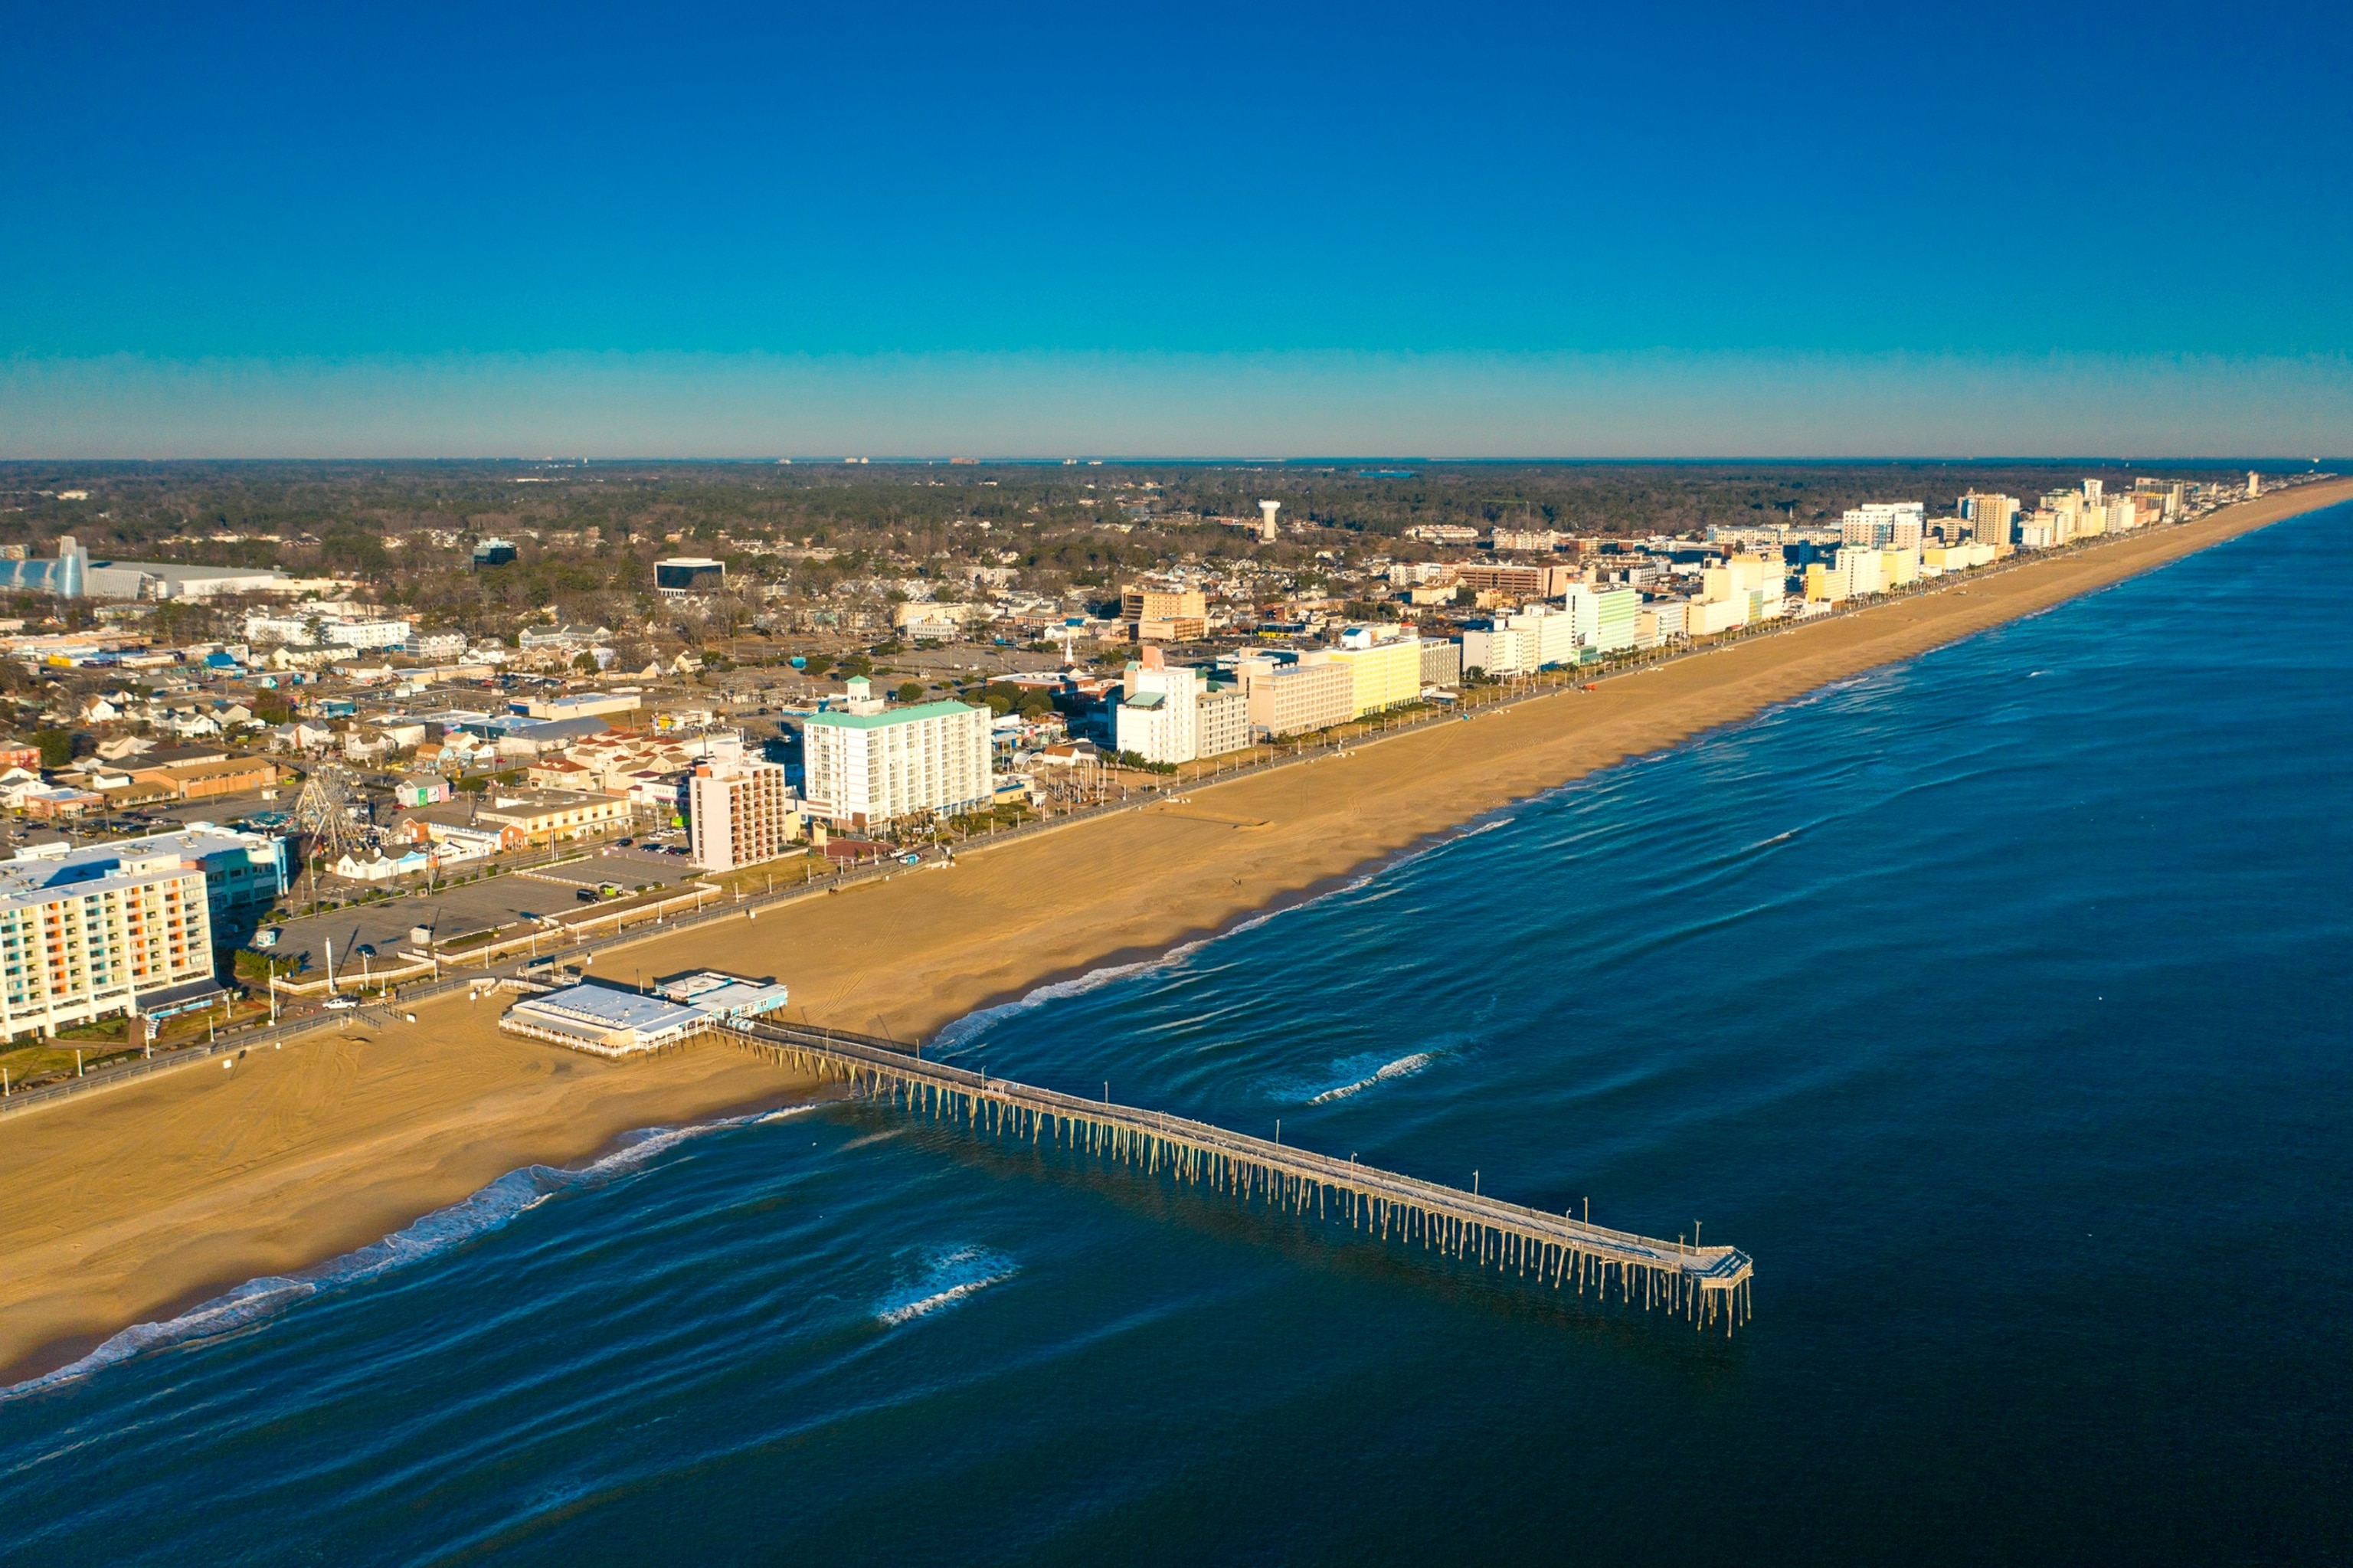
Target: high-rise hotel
(867, 764)
(122, 927)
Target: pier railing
(1706, 1284)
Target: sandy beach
(125, 1206)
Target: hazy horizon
(1491, 233)
(1172, 408)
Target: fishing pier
(1705, 1285)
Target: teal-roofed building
(865, 764)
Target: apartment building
(1990, 516)
(1614, 616)
(740, 813)
(1745, 588)
(1660, 622)
(331, 631)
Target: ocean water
(1997, 1003)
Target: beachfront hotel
(1384, 668)
(116, 928)
(1296, 697)
(1171, 713)
(740, 811)
(866, 765)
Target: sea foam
(477, 1215)
(948, 1277)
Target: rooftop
(603, 1019)
(613, 1008)
(722, 995)
(891, 717)
(546, 800)
(38, 871)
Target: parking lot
(516, 895)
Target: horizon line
(960, 460)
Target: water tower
(1267, 509)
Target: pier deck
(1707, 1285)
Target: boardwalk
(1705, 1285)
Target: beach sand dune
(125, 1206)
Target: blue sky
(1830, 229)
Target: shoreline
(166, 1194)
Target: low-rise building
(690, 575)
(604, 1019)
(549, 816)
(327, 631)
(206, 779)
(377, 866)
(729, 999)
(583, 704)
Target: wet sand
(127, 1205)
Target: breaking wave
(950, 1275)
(477, 1215)
(1403, 1067)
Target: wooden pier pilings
(1706, 1284)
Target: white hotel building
(866, 765)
